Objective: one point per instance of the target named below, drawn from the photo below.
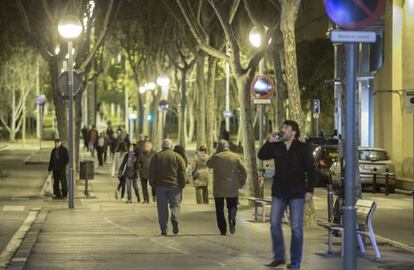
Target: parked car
(371, 161)
(325, 156)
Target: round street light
(152, 86)
(163, 81)
(255, 37)
(70, 27)
(141, 89)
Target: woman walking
(118, 158)
(201, 175)
(129, 169)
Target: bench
(259, 202)
(365, 209)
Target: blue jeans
(296, 224)
(165, 196)
(134, 182)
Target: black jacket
(58, 162)
(294, 168)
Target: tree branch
(190, 19)
(100, 39)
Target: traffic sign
(63, 84)
(41, 100)
(163, 104)
(316, 108)
(227, 114)
(353, 36)
(354, 14)
(262, 87)
(409, 101)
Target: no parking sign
(261, 89)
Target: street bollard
(374, 180)
(330, 193)
(387, 181)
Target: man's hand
(308, 197)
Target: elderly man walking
(229, 176)
(167, 176)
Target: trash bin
(87, 169)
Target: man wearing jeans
(292, 186)
(167, 176)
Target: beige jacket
(229, 174)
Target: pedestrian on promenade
(100, 148)
(144, 162)
(201, 175)
(167, 176)
(292, 186)
(114, 144)
(118, 159)
(59, 158)
(126, 140)
(139, 146)
(85, 131)
(109, 130)
(179, 149)
(129, 169)
(105, 147)
(229, 176)
(92, 139)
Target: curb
(22, 254)
(404, 192)
(17, 241)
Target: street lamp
(70, 28)
(256, 39)
(40, 101)
(132, 118)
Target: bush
(49, 134)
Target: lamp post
(227, 111)
(164, 82)
(132, 118)
(70, 28)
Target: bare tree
(243, 74)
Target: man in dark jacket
(292, 186)
(144, 162)
(167, 176)
(229, 176)
(59, 158)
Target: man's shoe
(232, 227)
(128, 201)
(175, 227)
(276, 263)
(293, 266)
(223, 233)
(164, 233)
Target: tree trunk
(290, 9)
(247, 130)
(181, 111)
(201, 108)
(210, 107)
(60, 104)
(191, 118)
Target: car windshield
(372, 155)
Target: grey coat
(229, 174)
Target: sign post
(316, 109)
(261, 89)
(352, 15)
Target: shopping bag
(47, 189)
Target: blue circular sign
(354, 14)
(261, 87)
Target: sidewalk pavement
(104, 233)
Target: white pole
(37, 94)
